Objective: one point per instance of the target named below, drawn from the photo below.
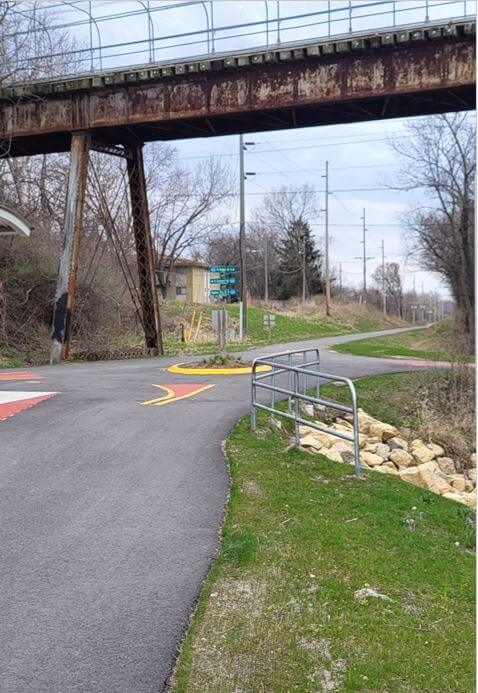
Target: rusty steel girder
(354, 81)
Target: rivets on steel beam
(270, 57)
(403, 37)
(358, 44)
(434, 33)
(449, 30)
(342, 46)
(109, 79)
(204, 66)
(166, 71)
(155, 74)
(180, 69)
(417, 35)
(312, 50)
(193, 67)
(98, 81)
(257, 58)
(230, 62)
(131, 77)
(328, 48)
(143, 74)
(243, 60)
(469, 28)
(298, 53)
(285, 55)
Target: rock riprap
(384, 450)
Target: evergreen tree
(289, 277)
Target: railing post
(328, 17)
(350, 16)
(289, 383)
(304, 363)
(353, 395)
(394, 12)
(296, 408)
(278, 21)
(273, 394)
(317, 368)
(427, 13)
(253, 399)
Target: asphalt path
(109, 518)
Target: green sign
(223, 280)
(223, 269)
(223, 292)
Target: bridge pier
(70, 247)
(81, 144)
(144, 251)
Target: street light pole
(266, 273)
(242, 237)
(304, 278)
(327, 265)
(384, 293)
(364, 236)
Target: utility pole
(266, 273)
(340, 278)
(242, 237)
(327, 265)
(384, 292)
(364, 257)
(304, 278)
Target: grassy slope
(434, 343)
(288, 328)
(278, 613)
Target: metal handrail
(295, 395)
(329, 23)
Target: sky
(362, 163)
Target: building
(188, 282)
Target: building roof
(185, 262)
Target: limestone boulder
(397, 443)
(387, 468)
(344, 423)
(411, 476)
(371, 459)
(446, 464)
(422, 454)
(331, 454)
(402, 458)
(437, 450)
(455, 496)
(310, 441)
(382, 450)
(416, 443)
(382, 430)
(472, 475)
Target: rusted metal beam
(320, 89)
(144, 251)
(66, 285)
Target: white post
(241, 322)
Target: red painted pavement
(8, 409)
(19, 375)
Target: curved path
(109, 518)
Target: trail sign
(222, 269)
(268, 322)
(223, 280)
(223, 292)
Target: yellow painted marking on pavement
(171, 396)
(243, 370)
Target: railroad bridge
(410, 70)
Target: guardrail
(298, 377)
(211, 27)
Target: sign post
(268, 322)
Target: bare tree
(391, 280)
(440, 158)
(186, 208)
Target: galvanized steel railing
(298, 377)
(93, 25)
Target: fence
(146, 28)
(299, 376)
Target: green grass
(302, 534)
(287, 329)
(433, 343)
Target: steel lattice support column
(66, 285)
(144, 251)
